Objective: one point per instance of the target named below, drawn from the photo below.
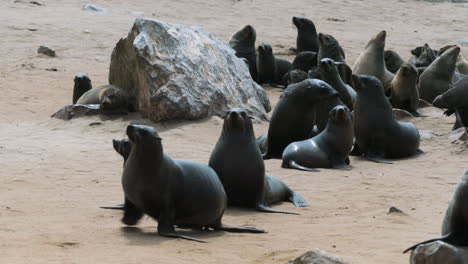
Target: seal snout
(136, 131)
(382, 35)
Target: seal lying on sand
(111, 98)
(243, 42)
(329, 149)
(270, 70)
(293, 117)
(171, 191)
(378, 134)
(238, 162)
(454, 227)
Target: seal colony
(327, 112)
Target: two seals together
(187, 194)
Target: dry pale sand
(55, 174)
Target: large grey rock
(439, 253)
(183, 72)
(317, 256)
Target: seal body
(294, 76)
(329, 149)
(82, 85)
(243, 42)
(293, 117)
(377, 133)
(404, 90)
(329, 72)
(270, 70)
(371, 61)
(330, 48)
(422, 56)
(437, 78)
(110, 97)
(456, 101)
(238, 162)
(393, 61)
(307, 39)
(454, 231)
(305, 60)
(171, 191)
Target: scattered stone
(439, 253)
(427, 134)
(35, 3)
(94, 8)
(32, 29)
(393, 209)
(51, 69)
(459, 134)
(46, 51)
(77, 110)
(183, 72)
(97, 123)
(317, 256)
(336, 19)
(400, 114)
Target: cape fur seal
(238, 162)
(329, 149)
(378, 135)
(270, 70)
(307, 39)
(437, 78)
(329, 72)
(171, 191)
(110, 97)
(393, 61)
(456, 101)
(243, 42)
(330, 48)
(423, 56)
(294, 76)
(82, 85)
(454, 231)
(305, 60)
(404, 90)
(293, 117)
(371, 61)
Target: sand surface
(54, 174)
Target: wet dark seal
(404, 89)
(307, 39)
(454, 227)
(173, 192)
(243, 42)
(456, 101)
(294, 76)
(329, 72)
(378, 135)
(393, 61)
(293, 117)
(330, 48)
(270, 70)
(329, 149)
(82, 85)
(238, 162)
(305, 60)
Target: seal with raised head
(270, 70)
(454, 227)
(307, 39)
(393, 61)
(330, 48)
(438, 77)
(456, 101)
(329, 149)
(111, 98)
(422, 56)
(293, 117)
(378, 135)
(404, 90)
(243, 42)
(171, 191)
(371, 61)
(82, 85)
(305, 60)
(329, 72)
(238, 162)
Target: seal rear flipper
(341, 166)
(266, 209)
(298, 200)
(420, 152)
(416, 114)
(356, 151)
(443, 239)
(377, 159)
(239, 229)
(294, 165)
(449, 112)
(117, 207)
(176, 235)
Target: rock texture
(439, 253)
(183, 72)
(317, 256)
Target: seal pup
(329, 72)
(171, 191)
(329, 149)
(111, 98)
(82, 84)
(243, 42)
(238, 162)
(270, 70)
(371, 61)
(378, 135)
(330, 48)
(437, 78)
(305, 60)
(454, 231)
(393, 61)
(293, 117)
(422, 56)
(294, 76)
(307, 39)
(456, 101)
(404, 90)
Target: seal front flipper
(298, 200)
(117, 207)
(266, 209)
(293, 165)
(443, 239)
(166, 229)
(131, 213)
(377, 159)
(239, 229)
(416, 114)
